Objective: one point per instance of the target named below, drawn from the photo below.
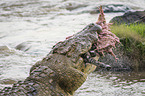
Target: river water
(39, 24)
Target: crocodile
(64, 69)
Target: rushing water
(39, 24)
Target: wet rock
(6, 51)
(127, 60)
(123, 63)
(25, 46)
(4, 48)
(111, 8)
(130, 17)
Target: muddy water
(113, 84)
(36, 25)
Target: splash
(106, 39)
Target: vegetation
(132, 38)
(134, 31)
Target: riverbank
(132, 38)
(130, 28)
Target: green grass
(136, 32)
(132, 38)
(138, 28)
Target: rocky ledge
(127, 61)
(130, 17)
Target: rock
(4, 48)
(6, 51)
(111, 8)
(130, 17)
(25, 46)
(123, 63)
(127, 60)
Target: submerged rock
(129, 17)
(111, 8)
(4, 48)
(25, 46)
(6, 51)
